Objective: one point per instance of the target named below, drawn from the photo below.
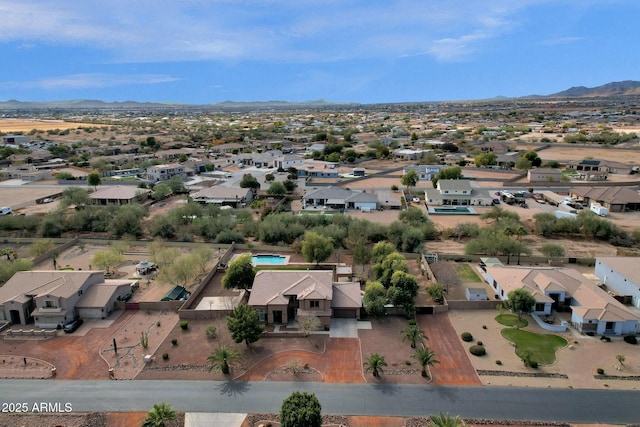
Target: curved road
(565, 405)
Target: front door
(277, 317)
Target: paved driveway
(454, 368)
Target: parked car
(125, 297)
(72, 326)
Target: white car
(416, 200)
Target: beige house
(119, 195)
(50, 299)
(282, 297)
(456, 192)
(224, 196)
(544, 175)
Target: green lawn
(511, 320)
(466, 274)
(541, 348)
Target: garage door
(344, 314)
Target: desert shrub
(210, 331)
(165, 356)
(174, 341)
(600, 371)
(533, 364)
(631, 339)
(184, 324)
(479, 343)
(466, 337)
(484, 326)
(498, 362)
(477, 350)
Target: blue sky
(368, 51)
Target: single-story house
(622, 275)
(616, 199)
(318, 169)
(607, 166)
(50, 299)
(339, 198)
(456, 192)
(282, 296)
(409, 154)
(593, 310)
(119, 195)
(224, 196)
(544, 175)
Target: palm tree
(161, 412)
(374, 364)
(445, 420)
(425, 357)
(412, 334)
(223, 357)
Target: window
(314, 304)
(49, 304)
(539, 307)
(262, 314)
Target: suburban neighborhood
(421, 245)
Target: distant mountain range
(627, 87)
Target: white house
(621, 274)
(165, 172)
(592, 309)
(456, 192)
(425, 172)
(339, 198)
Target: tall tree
(301, 409)
(245, 324)
(410, 179)
(316, 247)
(425, 357)
(240, 273)
(520, 301)
(375, 298)
(93, 179)
(375, 364)
(223, 358)
(159, 415)
(361, 253)
(249, 181)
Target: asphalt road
(509, 403)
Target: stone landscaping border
(521, 374)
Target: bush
(533, 364)
(210, 331)
(477, 350)
(498, 362)
(466, 337)
(174, 341)
(479, 343)
(184, 324)
(165, 356)
(600, 371)
(631, 339)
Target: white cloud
(89, 81)
(276, 30)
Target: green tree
(316, 247)
(249, 181)
(276, 189)
(245, 324)
(181, 271)
(93, 179)
(176, 184)
(375, 298)
(413, 334)
(40, 247)
(361, 253)
(425, 357)
(436, 292)
(160, 191)
(445, 420)
(485, 159)
(74, 196)
(381, 250)
(240, 273)
(520, 301)
(301, 409)
(375, 364)
(159, 415)
(452, 172)
(410, 179)
(106, 259)
(552, 250)
(223, 358)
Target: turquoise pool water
(269, 259)
(453, 210)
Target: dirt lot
(579, 152)
(23, 125)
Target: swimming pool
(453, 210)
(269, 259)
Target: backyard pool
(453, 210)
(269, 259)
